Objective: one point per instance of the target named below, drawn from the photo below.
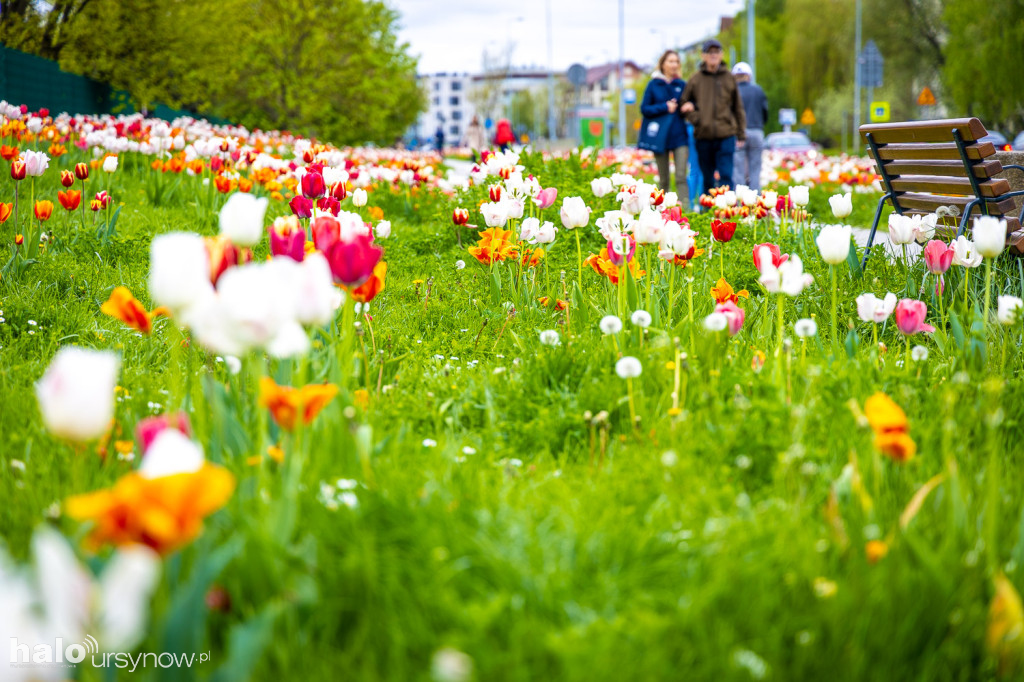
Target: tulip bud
(313, 185)
(82, 171)
(339, 191)
(95, 204)
(110, 164)
(301, 206)
(460, 216)
(657, 197)
(359, 197)
(76, 394)
(67, 178)
(19, 240)
(308, 156)
(241, 219)
(495, 192)
(18, 170)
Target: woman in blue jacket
(660, 98)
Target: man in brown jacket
(711, 102)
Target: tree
(982, 71)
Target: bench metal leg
(966, 217)
(874, 228)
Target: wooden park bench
(926, 165)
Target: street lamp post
(551, 78)
(751, 40)
(622, 73)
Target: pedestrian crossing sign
(879, 112)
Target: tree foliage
(328, 69)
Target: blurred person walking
(712, 103)
(747, 160)
(475, 138)
(664, 130)
(503, 135)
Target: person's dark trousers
(717, 155)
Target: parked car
(997, 139)
(1018, 143)
(790, 143)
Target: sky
(451, 36)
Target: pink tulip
(617, 258)
(546, 197)
(734, 314)
(938, 256)
(329, 204)
(287, 238)
(352, 262)
(326, 233)
(149, 428)
(775, 252)
(301, 206)
(910, 316)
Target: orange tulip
(532, 259)
(43, 210)
(125, 307)
(889, 422)
(8, 153)
(368, 290)
(495, 245)
(5, 211)
(244, 185)
(57, 150)
(603, 266)
(223, 184)
(723, 292)
(287, 404)
(162, 513)
(70, 199)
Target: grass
(726, 541)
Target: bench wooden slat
(930, 202)
(937, 185)
(955, 169)
(938, 150)
(971, 129)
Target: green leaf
(957, 329)
(496, 287)
(853, 260)
(852, 344)
(246, 643)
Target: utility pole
(751, 40)
(551, 80)
(857, 72)
(622, 73)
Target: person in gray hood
(747, 160)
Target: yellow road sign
(807, 118)
(926, 98)
(879, 112)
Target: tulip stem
(835, 302)
(988, 288)
(632, 406)
(579, 257)
(671, 293)
(967, 277)
(691, 313)
(906, 360)
(874, 336)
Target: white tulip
(110, 164)
(989, 236)
(76, 394)
(901, 229)
(1009, 307)
(170, 453)
(834, 243)
(873, 309)
(574, 213)
(179, 270)
(359, 196)
(799, 195)
(648, 227)
(842, 205)
(964, 253)
(528, 229)
(495, 213)
(241, 218)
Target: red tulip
(223, 255)
(938, 256)
(104, 199)
(777, 257)
(82, 171)
(495, 192)
(287, 238)
(67, 178)
(18, 169)
(657, 197)
(329, 203)
(326, 233)
(722, 231)
(673, 213)
(460, 216)
(339, 191)
(910, 316)
(301, 206)
(352, 262)
(313, 185)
